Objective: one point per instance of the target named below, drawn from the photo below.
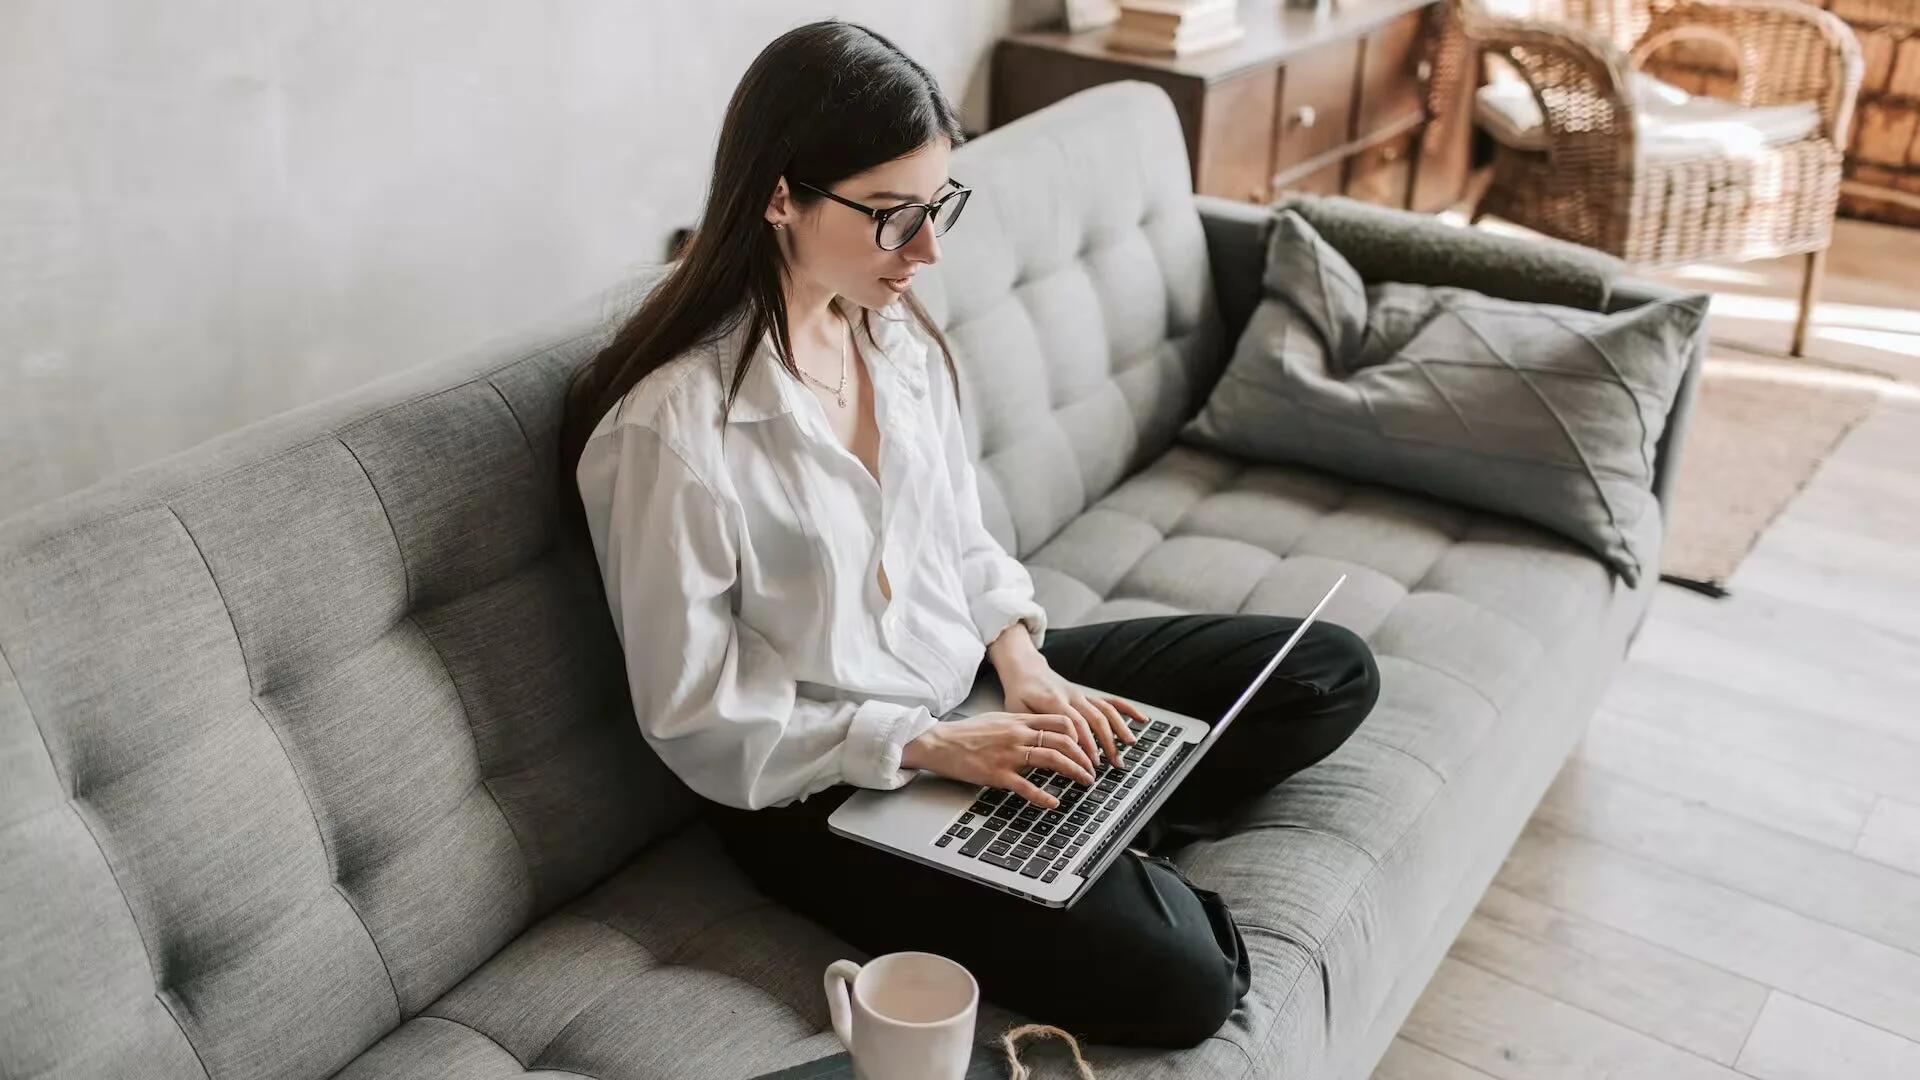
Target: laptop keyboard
(1005, 830)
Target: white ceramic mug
(909, 1015)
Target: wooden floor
(1725, 880)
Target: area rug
(1760, 429)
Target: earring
(779, 225)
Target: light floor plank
(1799, 656)
(1727, 777)
(1797, 1040)
(1876, 500)
(1717, 717)
(1840, 969)
(1814, 880)
(1867, 484)
(1513, 1033)
(1408, 1061)
(1806, 561)
(1676, 999)
(1892, 836)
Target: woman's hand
(1036, 688)
(996, 748)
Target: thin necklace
(840, 392)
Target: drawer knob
(1304, 116)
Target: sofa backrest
(1076, 293)
(299, 727)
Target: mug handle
(839, 974)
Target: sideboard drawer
(1383, 173)
(1316, 105)
(1236, 136)
(1392, 83)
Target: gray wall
(214, 210)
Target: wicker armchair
(1592, 181)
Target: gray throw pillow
(1542, 412)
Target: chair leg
(1479, 209)
(1478, 184)
(1816, 267)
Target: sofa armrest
(1236, 235)
(1632, 292)
(1386, 244)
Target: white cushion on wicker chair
(1670, 122)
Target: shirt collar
(767, 390)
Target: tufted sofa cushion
(1080, 302)
(300, 727)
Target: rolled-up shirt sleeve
(713, 698)
(999, 589)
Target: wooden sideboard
(1354, 99)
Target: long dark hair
(821, 103)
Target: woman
(777, 486)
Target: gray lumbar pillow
(1542, 412)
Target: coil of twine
(1011, 1038)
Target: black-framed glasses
(895, 226)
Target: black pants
(1145, 957)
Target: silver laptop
(998, 838)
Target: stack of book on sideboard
(1175, 27)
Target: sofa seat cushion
(674, 967)
(1472, 594)
(1461, 607)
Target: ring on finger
(1040, 739)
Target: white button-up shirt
(741, 563)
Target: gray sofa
(316, 754)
